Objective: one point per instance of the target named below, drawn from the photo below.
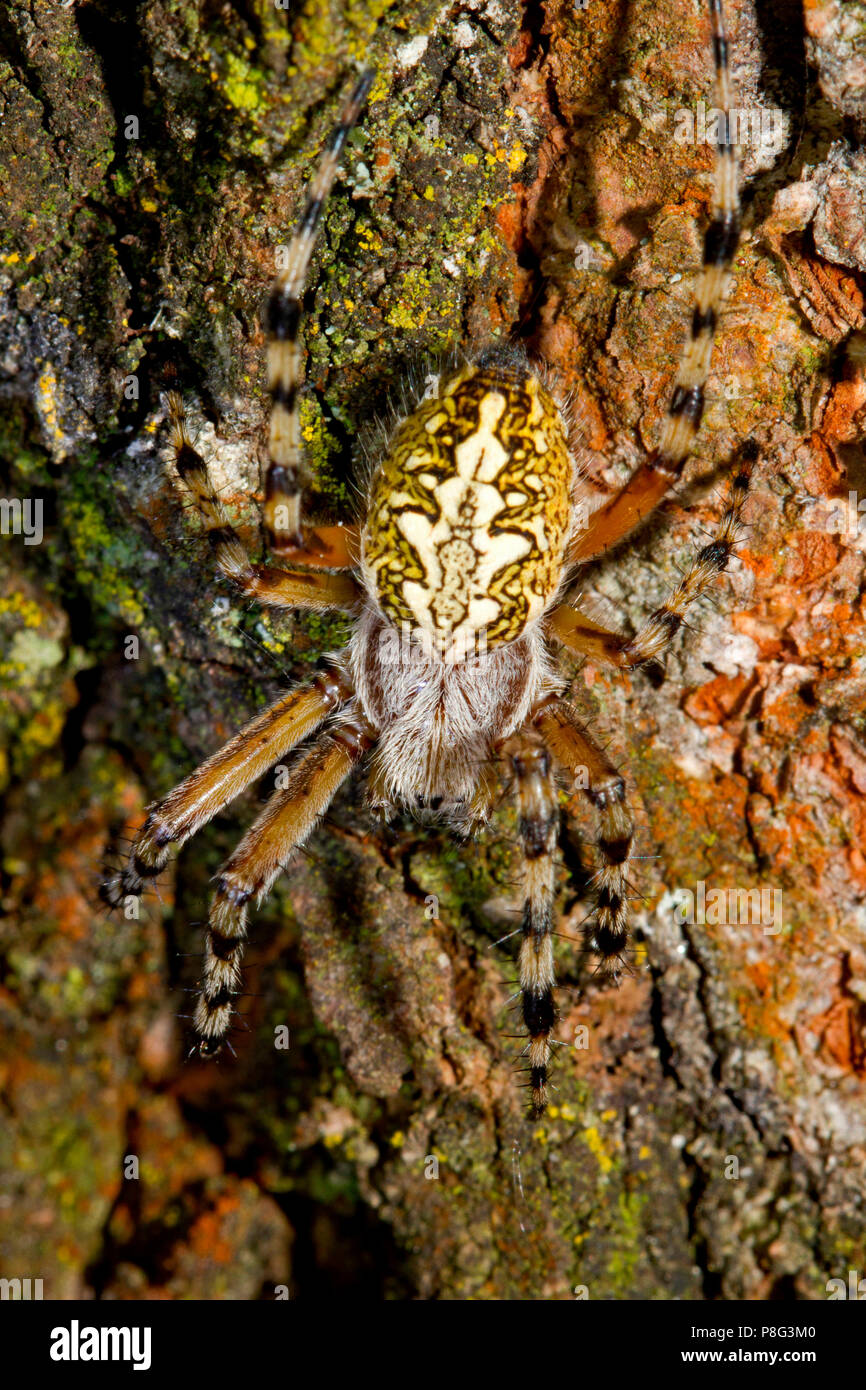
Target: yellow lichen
(46, 403)
(596, 1146)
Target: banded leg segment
(585, 763)
(538, 820)
(586, 638)
(283, 484)
(249, 755)
(249, 874)
(648, 485)
(275, 587)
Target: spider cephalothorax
(455, 579)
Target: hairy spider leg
(587, 638)
(650, 482)
(336, 547)
(277, 588)
(577, 752)
(266, 849)
(530, 764)
(246, 757)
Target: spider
(456, 578)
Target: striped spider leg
(654, 478)
(332, 546)
(554, 728)
(294, 810)
(584, 637)
(554, 737)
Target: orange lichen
(811, 555)
(718, 699)
(208, 1237)
(840, 1029)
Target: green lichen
(104, 561)
(630, 1242)
(242, 84)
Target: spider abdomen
(469, 513)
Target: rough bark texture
(518, 172)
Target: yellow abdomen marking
(470, 511)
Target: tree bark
(525, 172)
